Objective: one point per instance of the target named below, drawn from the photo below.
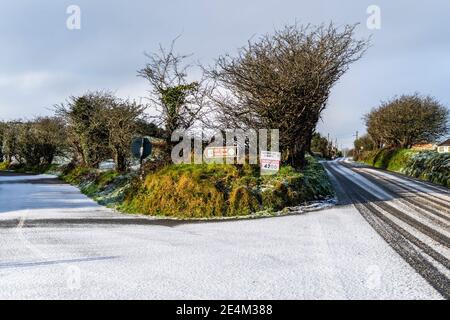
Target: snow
(328, 254)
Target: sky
(43, 62)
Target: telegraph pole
(356, 151)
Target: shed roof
(445, 143)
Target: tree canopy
(407, 120)
(283, 81)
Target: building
(444, 146)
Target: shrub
(4, 166)
(430, 166)
(184, 191)
(426, 165)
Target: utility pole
(356, 151)
(329, 146)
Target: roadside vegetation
(279, 81)
(395, 127)
(426, 165)
(218, 190)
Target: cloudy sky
(42, 62)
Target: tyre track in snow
(441, 202)
(433, 211)
(375, 198)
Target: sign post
(141, 148)
(270, 162)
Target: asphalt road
(413, 217)
(388, 239)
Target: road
(412, 216)
(387, 239)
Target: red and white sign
(270, 162)
(220, 152)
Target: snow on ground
(331, 254)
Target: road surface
(388, 239)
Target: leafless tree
(87, 132)
(406, 120)
(179, 101)
(124, 121)
(283, 81)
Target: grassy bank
(203, 191)
(199, 191)
(426, 165)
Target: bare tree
(3, 126)
(86, 128)
(39, 141)
(363, 143)
(282, 81)
(124, 121)
(179, 101)
(10, 137)
(406, 120)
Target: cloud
(43, 63)
(28, 81)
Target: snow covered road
(411, 215)
(56, 244)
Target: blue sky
(42, 62)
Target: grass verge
(213, 190)
(425, 165)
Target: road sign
(270, 162)
(221, 152)
(141, 147)
(270, 155)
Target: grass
(4, 166)
(426, 165)
(217, 190)
(198, 191)
(22, 168)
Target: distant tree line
(91, 128)
(323, 147)
(35, 142)
(279, 81)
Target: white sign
(270, 162)
(270, 155)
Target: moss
(276, 197)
